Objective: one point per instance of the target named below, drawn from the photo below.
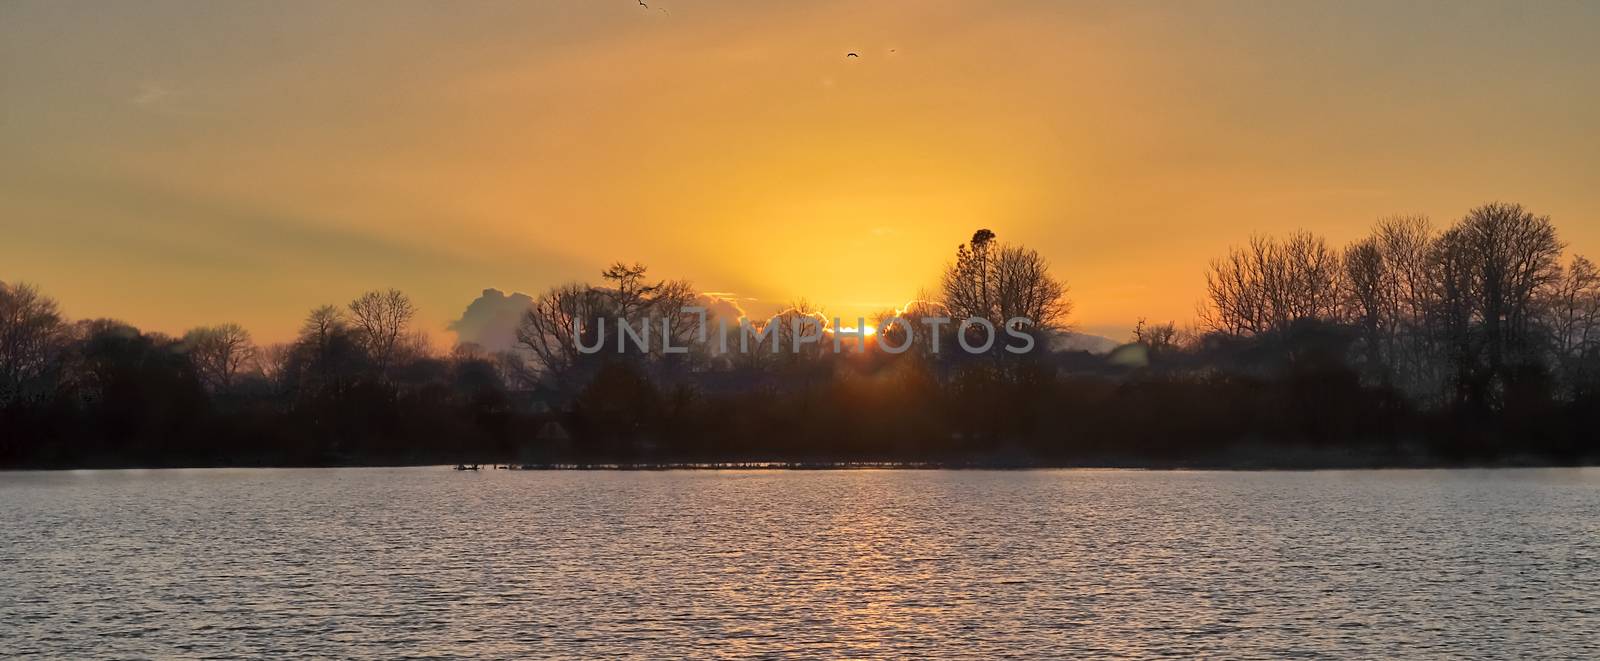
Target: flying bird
(847, 54)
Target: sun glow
(851, 330)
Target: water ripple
(431, 563)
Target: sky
(174, 164)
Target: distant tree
(1493, 273)
(1405, 290)
(1157, 338)
(273, 360)
(630, 294)
(382, 319)
(1404, 242)
(1515, 256)
(1575, 307)
(326, 356)
(414, 345)
(1023, 287)
(1237, 290)
(1369, 304)
(141, 391)
(998, 282)
(549, 333)
(33, 343)
(219, 353)
(1452, 316)
(894, 334)
(515, 370)
(321, 325)
(966, 281)
(668, 306)
(801, 320)
(1574, 313)
(1270, 285)
(548, 329)
(979, 246)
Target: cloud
(720, 305)
(149, 94)
(161, 99)
(490, 321)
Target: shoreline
(851, 465)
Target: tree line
(1465, 317)
(1477, 343)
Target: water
(388, 563)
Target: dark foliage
(1471, 346)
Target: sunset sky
(181, 163)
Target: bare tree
(321, 325)
(1271, 284)
(800, 321)
(631, 295)
(1404, 243)
(997, 282)
(1574, 319)
(966, 281)
(668, 309)
(219, 353)
(273, 361)
(1368, 302)
(1451, 314)
(321, 336)
(1404, 295)
(911, 322)
(32, 343)
(1492, 273)
(1023, 287)
(548, 328)
(1307, 280)
(1514, 256)
(414, 345)
(382, 319)
(1236, 291)
(1157, 338)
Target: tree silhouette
(32, 343)
(1271, 284)
(220, 353)
(548, 330)
(631, 294)
(1407, 346)
(381, 319)
(996, 282)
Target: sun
(868, 330)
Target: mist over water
(384, 563)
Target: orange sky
(175, 164)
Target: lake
(382, 563)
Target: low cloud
(490, 321)
(720, 305)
